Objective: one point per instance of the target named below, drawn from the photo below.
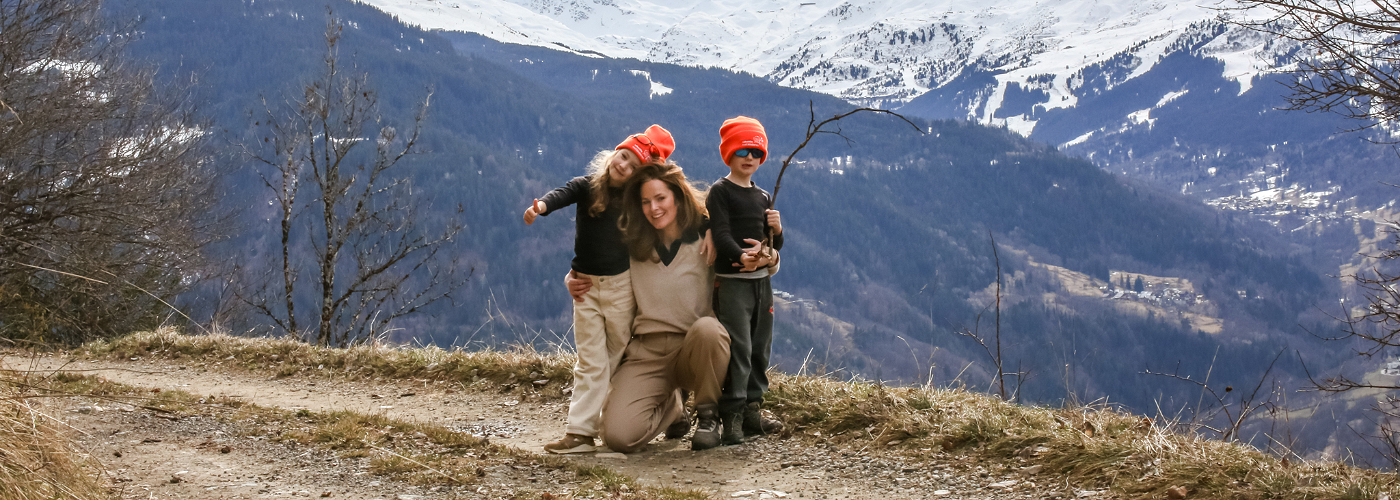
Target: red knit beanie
(656, 143)
(742, 132)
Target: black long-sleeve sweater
(736, 213)
(598, 247)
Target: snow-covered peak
(882, 52)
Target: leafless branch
(1348, 56)
(994, 349)
(371, 261)
(1244, 406)
(814, 128)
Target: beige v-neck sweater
(670, 298)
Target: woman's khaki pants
(646, 388)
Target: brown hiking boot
(757, 423)
(733, 428)
(706, 428)
(572, 443)
(680, 427)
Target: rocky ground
(151, 455)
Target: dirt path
(155, 450)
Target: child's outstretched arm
(575, 191)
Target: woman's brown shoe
(572, 443)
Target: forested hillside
(889, 250)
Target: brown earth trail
(149, 455)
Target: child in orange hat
(743, 290)
(602, 315)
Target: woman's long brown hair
(641, 238)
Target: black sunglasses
(756, 153)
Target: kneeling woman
(676, 341)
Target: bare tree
(1348, 58)
(994, 350)
(1376, 327)
(1350, 65)
(345, 214)
(104, 177)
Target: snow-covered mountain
(1164, 91)
(880, 52)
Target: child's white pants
(602, 327)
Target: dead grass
(549, 373)
(38, 457)
(1091, 446)
(1094, 447)
(413, 452)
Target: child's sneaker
(756, 423)
(572, 443)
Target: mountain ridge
(870, 52)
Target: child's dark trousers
(745, 308)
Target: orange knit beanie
(742, 132)
(656, 143)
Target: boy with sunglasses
(743, 301)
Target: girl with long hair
(603, 315)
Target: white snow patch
(1141, 116)
(1245, 53)
(1171, 96)
(1020, 124)
(1078, 140)
(131, 148)
(1267, 194)
(656, 87)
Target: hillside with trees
(890, 231)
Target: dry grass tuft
(518, 368)
(1095, 447)
(38, 458)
